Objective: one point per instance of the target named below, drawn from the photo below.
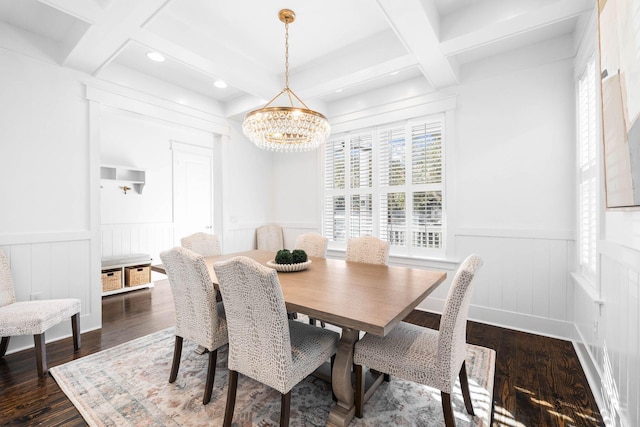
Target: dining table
(356, 297)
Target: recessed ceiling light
(338, 90)
(220, 84)
(155, 56)
(394, 73)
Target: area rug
(128, 385)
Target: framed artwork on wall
(619, 38)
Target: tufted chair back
(269, 238)
(313, 244)
(259, 341)
(367, 249)
(197, 317)
(202, 243)
(452, 341)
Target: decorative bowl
(287, 268)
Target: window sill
(408, 261)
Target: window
(587, 171)
(388, 182)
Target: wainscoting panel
(611, 334)
(524, 282)
(50, 270)
(524, 275)
(123, 239)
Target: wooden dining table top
(366, 297)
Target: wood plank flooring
(538, 380)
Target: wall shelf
(124, 174)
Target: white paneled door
(192, 190)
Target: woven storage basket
(111, 280)
(137, 275)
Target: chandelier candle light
(286, 128)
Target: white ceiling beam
(87, 10)
(539, 17)
(417, 26)
(110, 32)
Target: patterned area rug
(128, 385)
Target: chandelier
(286, 128)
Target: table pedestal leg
(344, 410)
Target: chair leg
(211, 376)
(75, 327)
(447, 409)
(285, 409)
(177, 354)
(359, 397)
(312, 321)
(464, 385)
(41, 354)
(4, 344)
(231, 398)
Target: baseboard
(511, 320)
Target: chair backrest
(202, 243)
(7, 293)
(194, 296)
(313, 244)
(259, 340)
(269, 238)
(367, 249)
(452, 340)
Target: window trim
(446, 120)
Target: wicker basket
(137, 275)
(111, 280)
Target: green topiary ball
(299, 256)
(284, 257)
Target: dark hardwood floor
(538, 380)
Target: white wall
(511, 182)
(47, 224)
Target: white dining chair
(202, 243)
(423, 355)
(263, 343)
(33, 317)
(314, 244)
(270, 238)
(199, 318)
(367, 249)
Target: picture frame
(619, 41)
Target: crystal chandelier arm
(296, 96)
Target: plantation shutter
(587, 144)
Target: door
(192, 190)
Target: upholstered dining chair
(202, 243)
(423, 355)
(33, 317)
(263, 343)
(367, 249)
(270, 238)
(313, 244)
(199, 318)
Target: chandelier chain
(286, 55)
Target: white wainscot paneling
(50, 270)
(123, 239)
(609, 337)
(524, 283)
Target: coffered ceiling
(338, 48)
